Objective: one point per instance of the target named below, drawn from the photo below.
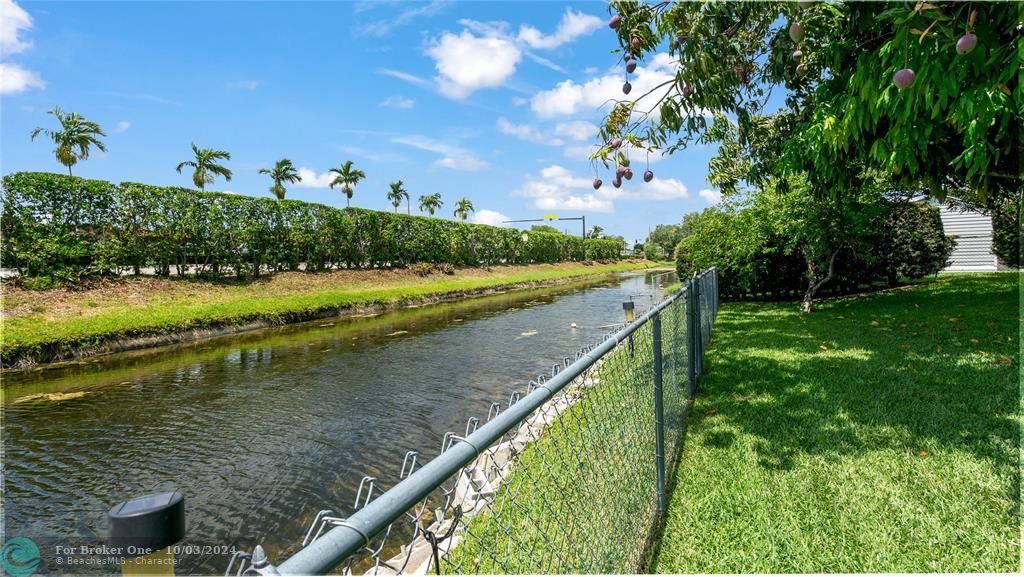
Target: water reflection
(261, 430)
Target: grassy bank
(38, 323)
(580, 497)
(879, 434)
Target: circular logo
(20, 557)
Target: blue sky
(494, 101)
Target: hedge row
(69, 227)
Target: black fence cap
(147, 523)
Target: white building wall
(973, 234)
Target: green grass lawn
(880, 433)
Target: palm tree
(430, 203)
(396, 194)
(463, 208)
(347, 177)
(74, 138)
(205, 166)
(283, 171)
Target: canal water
(263, 429)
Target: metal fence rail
(568, 477)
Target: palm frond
(221, 170)
(77, 135)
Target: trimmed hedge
(69, 227)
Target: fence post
(717, 302)
(714, 277)
(691, 340)
(698, 323)
(659, 414)
(144, 529)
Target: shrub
(653, 251)
(68, 227)
(1007, 231)
(53, 225)
(666, 236)
(755, 258)
(912, 243)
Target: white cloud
(398, 102)
(659, 189)
(526, 132)
(122, 126)
(467, 163)
(494, 29)
(578, 130)
(486, 54)
(466, 63)
(310, 179)
(712, 196)
(573, 25)
(454, 157)
(563, 177)
(244, 85)
(568, 97)
(491, 217)
(562, 100)
(13, 20)
(587, 202)
(14, 79)
(579, 152)
(405, 76)
(544, 62)
(384, 27)
(429, 144)
(371, 155)
(556, 189)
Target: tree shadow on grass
(879, 433)
(932, 367)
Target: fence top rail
(344, 540)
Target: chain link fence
(568, 476)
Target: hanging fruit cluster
(632, 47)
(629, 59)
(902, 78)
(797, 35)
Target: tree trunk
(892, 278)
(805, 305)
